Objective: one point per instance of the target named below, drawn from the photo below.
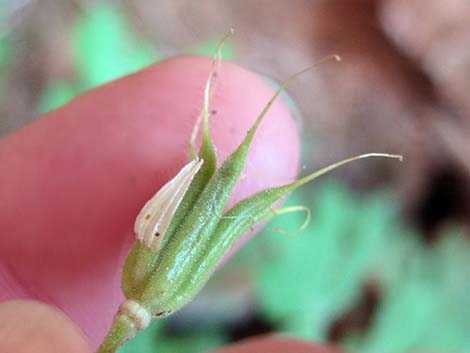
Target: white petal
(155, 217)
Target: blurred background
(384, 265)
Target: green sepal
(240, 218)
(189, 242)
(136, 269)
(186, 248)
(140, 263)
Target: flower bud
(182, 232)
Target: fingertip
(32, 327)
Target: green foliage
(426, 304)
(5, 52)
(306, 281)
(5, 56)
(104, 48)
(56, 94)
(3, 17)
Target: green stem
(122, 330)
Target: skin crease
(73, 182)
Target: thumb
(31, 327)
(74, 181)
